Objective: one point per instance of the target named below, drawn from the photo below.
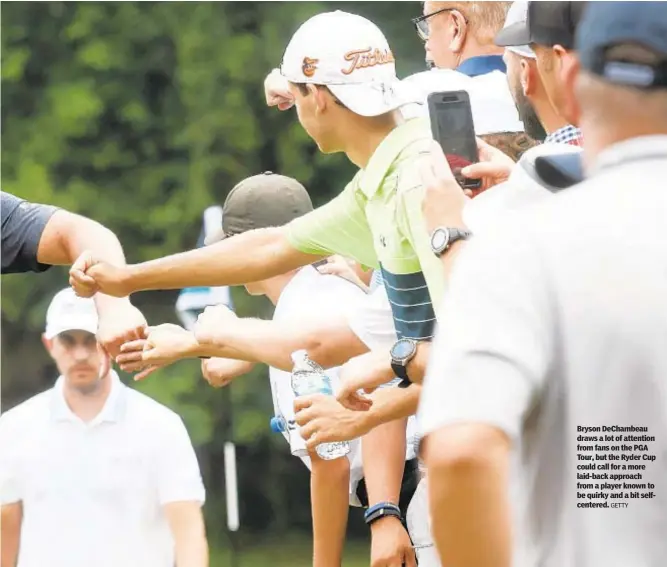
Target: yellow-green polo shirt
(377, 220)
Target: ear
(48, 343)
(460, 32)
(320, 96)
(530, 78)
(569, 74)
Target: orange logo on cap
(309, 65)
(362, 58)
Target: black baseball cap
(262, 201)
(608, 25)
(547, 23)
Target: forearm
(329, 489)
(189, 533)
(468, 500)
(10, 534)
(417, 366)
(253, 256)
(383, 454)
(192, 551)
(329, 343)
(390, 404)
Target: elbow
(464, 449)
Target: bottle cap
(277, 424)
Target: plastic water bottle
(309, 378)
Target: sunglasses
(421, 23)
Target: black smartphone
(453, 129)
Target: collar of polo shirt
(385, 154)
(111, 412)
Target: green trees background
(139, 115)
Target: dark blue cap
(606, 26)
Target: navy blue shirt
(22, 226)
(481, 65)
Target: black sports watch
(402, 352)
(442, 238)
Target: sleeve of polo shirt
(22, 226)
(339, 227)
(493, 348)
(178, 475)
(410, 220)
(10, 486)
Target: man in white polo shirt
(93, 473)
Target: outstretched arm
(252, 256)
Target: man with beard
(102, 473)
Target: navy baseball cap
(546, 23)
(607, 27)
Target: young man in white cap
(92, 472)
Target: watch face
(402, 349)
(439, 239)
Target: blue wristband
(380, 510)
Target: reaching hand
(210, 321)
(220, 372)
(276, 91)
(443, 197)
(323, 420)
(390, 544)
(163, 345)
(343, 268)
(118, 323)
(365, 372)
(89, 275)
(493, 167)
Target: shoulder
(32, 411)
(151, 413)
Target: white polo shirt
(312, 295)
(93, 493)
(558, 320)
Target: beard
(531, 122)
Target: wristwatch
(442, 238)
(402, 352)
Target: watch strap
(381, 510)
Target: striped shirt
(377, 220)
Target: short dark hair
(303, 89)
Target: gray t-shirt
(22, 227)
(557, 321)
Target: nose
(81, 353)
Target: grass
(287, 553)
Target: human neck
(614, 132)
(273, 288)
(86, 405)
(364, 136)
(477, 50)
(550, 119)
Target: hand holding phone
(454, 130)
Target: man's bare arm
(10, 533)
(328, 342)
(468, 475)
(186, 523)
(248, 257)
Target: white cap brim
(374, 99)
(72, 324)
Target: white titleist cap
(518, 13)
(350, 55)
(69, 312)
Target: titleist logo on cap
(362, 58)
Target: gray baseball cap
(262, 201)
